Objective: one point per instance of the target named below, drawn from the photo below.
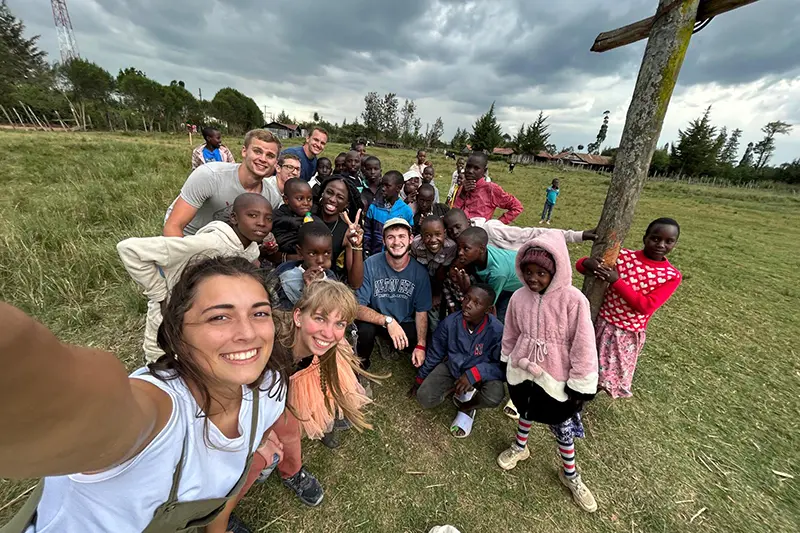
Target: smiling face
(260, 158)
(229, 329)
(660, 241)
(318, 332)
(334, 198)
(316, 142)
(288, 170)
(397, 241)
(536, 277)
(433, 235)
(214, 139)
(298, 197)
(253, 221)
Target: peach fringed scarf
(307, 399)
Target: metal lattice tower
(66, 39)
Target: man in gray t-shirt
(213, 187)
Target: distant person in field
(511, 166)
(338, 163)
(549, 348)
(640, 281)
(479, 199)
(427, 177)
(421, 163)
(156, 263)
(551, 194)
(457, 181)
(212, 150)
(307, 153)
(426, 206)
(211, 188)
(464, 358)
(387, 205)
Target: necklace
(333, 229)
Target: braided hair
(353, 202)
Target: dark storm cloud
(454, 57)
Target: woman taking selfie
(165, 450)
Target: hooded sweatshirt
(549, 338)
(156, 263)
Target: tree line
(87, 96)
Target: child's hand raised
(460, 278)
(313, 274)
(355, 233)
(589, 235)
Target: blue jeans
(547, 212)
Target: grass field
(715, 410)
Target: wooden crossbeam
(641, 30)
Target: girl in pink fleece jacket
(549, 345)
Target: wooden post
(125, 121)
(666, 48)
(8, 117)
(14, 109)
(44, 125)
(58, 116)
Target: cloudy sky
(452, 57)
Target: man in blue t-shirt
(394, 298)
(314, 145)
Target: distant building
(285, 131)
(574, 159)
(507, 152)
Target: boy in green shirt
(493, 266)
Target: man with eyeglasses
(288, 167)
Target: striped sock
(523, 429)
(567, 452)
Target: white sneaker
(580, 492)
(510, 457)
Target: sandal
(510, 411)
(463, 421)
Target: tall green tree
(747, 159)
(460, 139)
(433, 134)
(390, 117)
(239, 111)
(730, 151)
(764, 148)
(534, 137)
(142, 94)
(594, 147)
(371, 115)
(180, 106)
(486, 133)
(695, 153)
(284, 118)
(22, 61)
(86, 82)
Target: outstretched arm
(67, 409)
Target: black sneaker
(330, 439)
(306, 487)
(235, 525)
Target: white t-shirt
(123, 499)
(211, 189)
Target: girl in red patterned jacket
(640, 282)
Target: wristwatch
(388, 320)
